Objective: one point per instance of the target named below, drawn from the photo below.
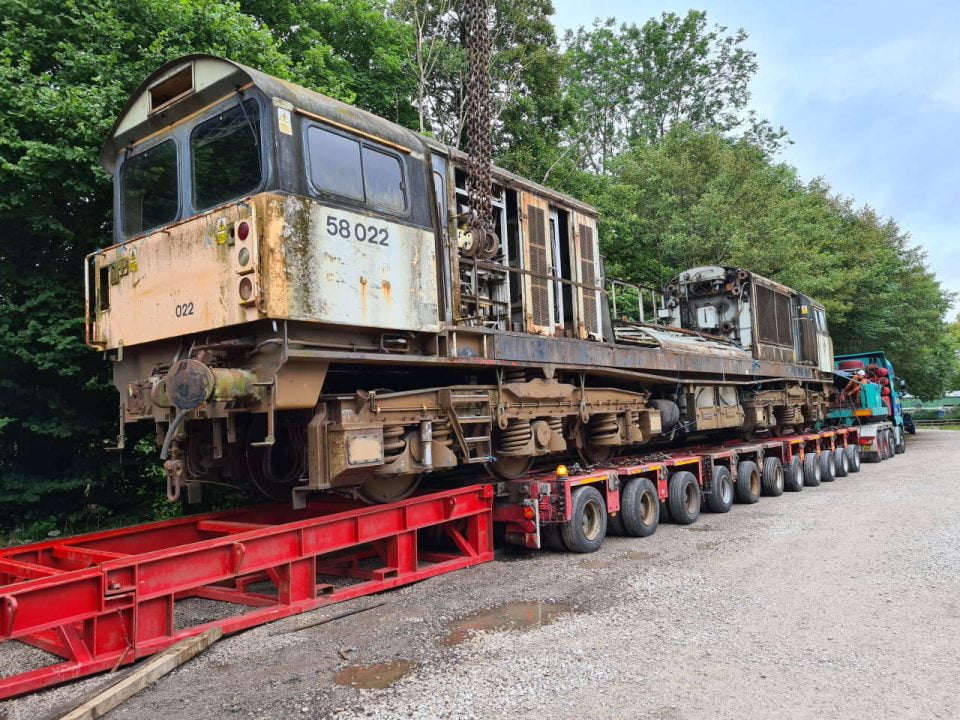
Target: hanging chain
(479, 143)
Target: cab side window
(352, 169)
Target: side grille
(588, 274)
(539, 266)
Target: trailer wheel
(720, 497)
(811, 469)
(793, 475)
(639, 508)
(748, 482)
(683, 498)
(853, 458)
(550, 538)
(588, 521)
(773, 479)
(841, 462)
(828, 468)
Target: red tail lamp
(243, 230)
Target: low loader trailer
(106, 599)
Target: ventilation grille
(774, 317)
(539, 267)
(588, 275)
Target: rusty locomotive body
(293, 300)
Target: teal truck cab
(875, 407)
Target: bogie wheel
(509, 467)
(683, 498)
(841, 462)
(379, 489)
(550, 538)
(588, 521)
(773, 479)
(720, 497)
(811, 469)
(793, 475)
(853, 458)
(828, 468)
(748, 482)
(639, 508)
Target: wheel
(389, 488)
(720, 497)
(509, 467)
(639, 508)
(828, 468)
(588, 521)
(773, 479)
(793, 475)
(550, 538)
(592, 454)
(811, 469)
(887, 445)
(900, 446)
(683, 498)
(840, 462)
(747, 488)
(853, 458)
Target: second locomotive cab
(294, 300)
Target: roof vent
(168, 91)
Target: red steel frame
(105, 599)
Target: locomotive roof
(179, 89)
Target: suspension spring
(514, 375)
(393, 443)
(603, 429)
(442, 432)
(516, 436)
(556, 424)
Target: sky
(868, 91)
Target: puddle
(597, 564)
(708, 545)
(509, 616)
(700, 528)
(639, 555)
(373, 677)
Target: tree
(633, 83)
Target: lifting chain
(484, 242)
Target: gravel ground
(842, 601)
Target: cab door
(824, 342)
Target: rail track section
(102, 600)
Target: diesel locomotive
(294, 298)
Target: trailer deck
(102, 600)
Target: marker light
(243, 230)
(562, 471)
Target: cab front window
(226, 155)
(149, 190)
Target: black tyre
(550, 538)
(828, 468)
(841, 463)
(748, 482)
(886, 452)
(773, 478)
(588, 521)
(683, 498)
(793, 475)
(900, 447)
(639, 508)
(853, 458)
(615, 522)
(720, 497)
(811, 469)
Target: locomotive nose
(190, 383)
